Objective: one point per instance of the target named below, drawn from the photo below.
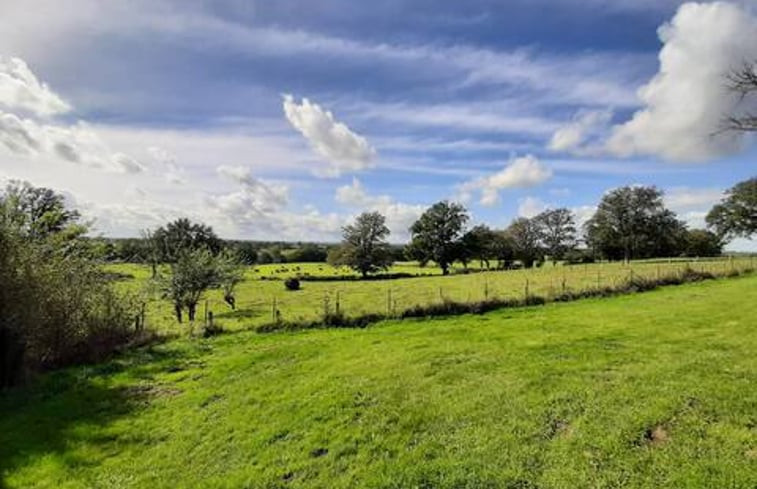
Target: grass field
(257, 298)
(639, 391)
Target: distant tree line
(629, 223)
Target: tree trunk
(177, 311)
(191, 309)
(445, 268)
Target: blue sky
(283, 120)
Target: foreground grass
(648, 390)
(257, 299)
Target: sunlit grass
(258, 299)
(640, 391)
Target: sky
(284, 120)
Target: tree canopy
(436, 234)
(736, 215)
(632, 222)
(364, 247)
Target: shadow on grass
(67, 407)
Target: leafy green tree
(524, 235)
(192, 273)
(736, 215)
(478, 244)
(700, 242)
(181, 235)
(39, 212)
(557, 232)
(503, 249)
(632, 222)
(435, 236)
(364, 247)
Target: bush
(578, 257)
(292, 283)
(57, 307)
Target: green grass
(256, 298)
(640, 391)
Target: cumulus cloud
(686, 101)
(575, 136)
(21, 90)
(399, 216)
(73, 144)
(686, 198)
(257, 196)
(523, 172)
(530, 207)
(330, 139)
(166, 164)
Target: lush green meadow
(644, 390)
(261, 294)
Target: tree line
(629, 223)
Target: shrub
(292, 283)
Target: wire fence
(264, 302)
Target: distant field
(653, 390)
(257, 298)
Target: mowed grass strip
(258, 299)
(640, 391)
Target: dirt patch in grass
(656, 436)
(151, 391)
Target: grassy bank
(651, 390)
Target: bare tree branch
(742, 81)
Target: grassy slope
(565, 395)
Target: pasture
(637, 391)
(261, 298)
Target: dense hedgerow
(57, 306)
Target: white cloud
(530, 207)
(399, 216)
(585, 125)
(523, 172)
(257, 196)
(332, 140)
(685, 103)
(21, 90)
(73, 144)
(686, 198)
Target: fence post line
(599, 277)
(526, 291)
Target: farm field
(639, 391)
(257, 299)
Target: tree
(524, 236)
(364, 247)
(478, 244)
(557, 232)
(632, 222)
(181, 235)
(743, 82)
(700, 242)
(736, 214)
(436, 234)
(503, 249)
(39, 212)
(195, 271)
